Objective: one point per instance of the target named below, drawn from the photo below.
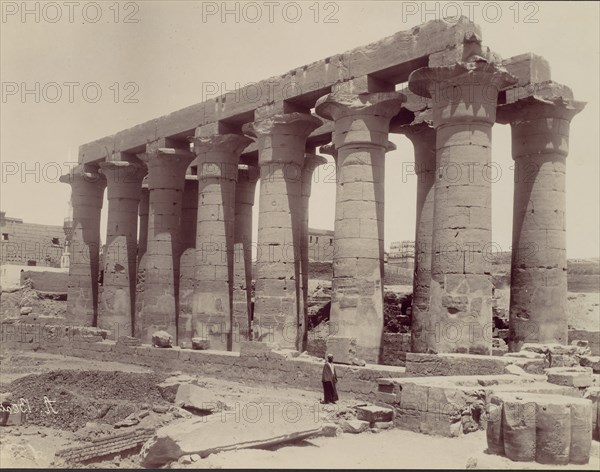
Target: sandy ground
(32, 446)
(387, 449)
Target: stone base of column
(349, 351)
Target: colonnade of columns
(194, 248)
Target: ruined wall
(320, 245)
(22, 242)
(46, 281)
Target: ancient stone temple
(190, 179)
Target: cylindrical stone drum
(553, 432)
(495, 438)
(519, 429)
(581, 431)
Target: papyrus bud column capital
(218, 157)
(124, 187)
(360, 138)
(87, 192)
(464, 99)
(281, 143)
(466, 92)
(540, 144)
(166, 180)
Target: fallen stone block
(570, 376)
(162, 339)
(168, 389)
(200, 344)
(354, 426)
(25, 310)
(218, 433)
(591, 361)
(197, 399)
(374, 414)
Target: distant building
(320, 245)
(30, 244)
(402, 253)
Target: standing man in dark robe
(329, 380)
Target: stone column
(218, 157)
(87, 192)
(360, 138)
(166, 179)
(464, 110)
(124, 189)
(311, 162)
(187, 260)
(422, 136)
(144, 212)
(281, 145)
(538, 290)
(242, 263)
(143, 232)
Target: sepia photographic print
(300, 235)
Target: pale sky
(165, 60)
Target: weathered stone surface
(354, 426)
(374, 414)
(549, 429)
(225, 432)
(592, 362)
(571, 376)
(461, 290)
(162, 339)
(25, 310)
(168, 389)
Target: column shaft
(166, 180)
(281, 145)
(218, 157)
(87, 191)
(124, 187)
(187, 261)
(423, 138)
(464, 110)
(311, 162)
(242, 263)
(360, 138)
(538, 291)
